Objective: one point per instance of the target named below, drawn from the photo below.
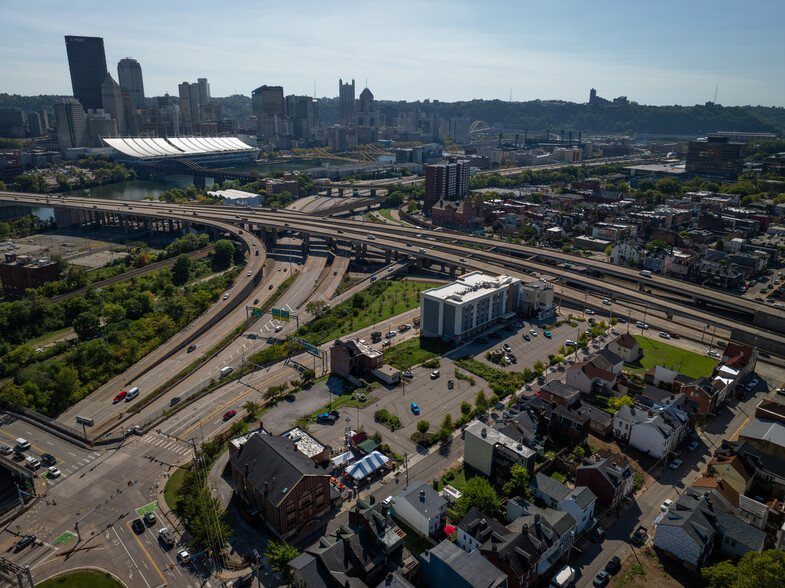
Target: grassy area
(502, 383)
(173, 485)
(457, 479)
(82, 579)
(415, 351)
(559, 477)
(657, 352)
(412, 542)
(381, 301)
(387, 213)
(347, 284)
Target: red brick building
(609, 475)
(467, 215)
(19, 273)
(353, 358)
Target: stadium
(204, 151)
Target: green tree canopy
(479, 493)
(754, 570)
(279, 555)
(518, 484)
(86, 325)
(181, 269)
(224, 253)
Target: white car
(606, 302)
(664, 335)
(666, 505)
(589, 311)
(713, 353)
(54, 472)
(408, 374)
(641, 325)
(533, 332)
(226, 296)
(249, 273)
(278, 328)
(183, 556)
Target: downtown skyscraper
(87, 63)
(129, 76)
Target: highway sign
(256, 311)
(312, 349)
(281, 315)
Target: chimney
(422, 495)
(484, 432)
(266, 488)
(483, 523)
(372, 499)
(247, 470)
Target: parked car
(435, 374)
(229, 414)
(408, 374)
(598, 534)
(526, 337)
(666, 505)
(415, 408)
(547, 334)
(613, 565)
(713, 353)
(533, 332)
(601, 579)
(506, 347)
(54, 472)
(692, 445)
(289, 397)
(675, 463)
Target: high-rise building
(190, 106)
(112, 100)
(304, 113)
(268, 105)
(70, 124)
(367, 119)
(715, 157)
(44, 118)
(12, 122)
(346, 105)
(87, 63)
(34, 124)
(129, 76)
(445, 180)
(204, 91)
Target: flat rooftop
(471, 286)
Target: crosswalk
(74, 466)
(164, 444)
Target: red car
(120, 396)
(229, 414)
(674, 335)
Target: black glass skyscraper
(87, 62)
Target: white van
(23, 444)
(132, 393)
(646, 273)
(32, 463)
(226, 370)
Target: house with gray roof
(476, 528)
(421, 507)
(449, 566)
(549, 490)
(766, 435)
(579, 502)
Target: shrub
(466, 408)
(423, 426)
(432, 363)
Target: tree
(250, 408)
(466, 408)
(447, 424)
(518, 484)
(423, 426)
(279, 555)
(481, 402)
(307, 375)
(224, 253)
(719, 245)
(579, 452)
(479, 493)
(754, 570)
(316, 307)
(86, 325)
(539, 367)
(721, 575)
(181, 269)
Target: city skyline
(521, 50)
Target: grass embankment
(81, 580)
(415, 351)
(173, 486)
(381, 301)
(387, 213)
(657, 352)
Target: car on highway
(340, 232)
(621, 320)
(601, 579)
(641, 325)
(120, 396)
(229, 414)
(666, 505)
(278, 328)
(249, 273)
(674, 465)
(226, 296)
(391, 333)
(613, 565)
(526, 337)
(692, 446)
(149, 518)
(6, 450)
(547, 334)
(138, 526)
(664, 335)
(713, 353)
(191, 347)
(24, 542)
(48, 459)
(606, 302)
(588, 311)
(415, 408)
(674, 335)
(533, 332)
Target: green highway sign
(256, 311)
(312, 349)
(282, 315)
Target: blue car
(547, 334)
(415, 408)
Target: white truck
(564, 578)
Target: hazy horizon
(674, 53)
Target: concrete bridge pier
(306, 245)
(329, 192)
(373, 192)
(340, 192)
(270, 235)
(453, 272)
(387, 257)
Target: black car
(24, 542)
(598, 534)
(138, 526)
(289, 397)
(481, 340)
(191, 348)
(246, 580)
(48, 459)
(335, 413)
(613, 565)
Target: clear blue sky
(657, 52)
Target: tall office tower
(132, 118)
(190, 106)
(129, 76)
(367, 117)
(715, 157)
(34, 124)
(204, 91)
(268, 105)
(44, 118)
(459, 128)
(445, 180)
(87, 62)
(304, 113)
(346, 104)
(112, 101)
(70, 124)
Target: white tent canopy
(367, 465)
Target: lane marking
(131, 557)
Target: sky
(658, 52)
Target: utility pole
(406, 466)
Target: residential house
(608, 475)
(655, 431)
(716, 275)
(515, 555)
(659, 261)
(732, 470)
(549, 490)
(449, 566)
(492, 453)
(569, 426)
(589, 379)
(353, 358)
(550, 531)
(579, 502)
(287, 488)
(742, 357)
(696, 523)
(626, 347)
(766, 435)
(770, 410)
(608, 360)
(523, 427)
(422, 508)
(560, 393)
(701, 391)
(362, 552)
(476, 528)
(768, 471)
(627, 253)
